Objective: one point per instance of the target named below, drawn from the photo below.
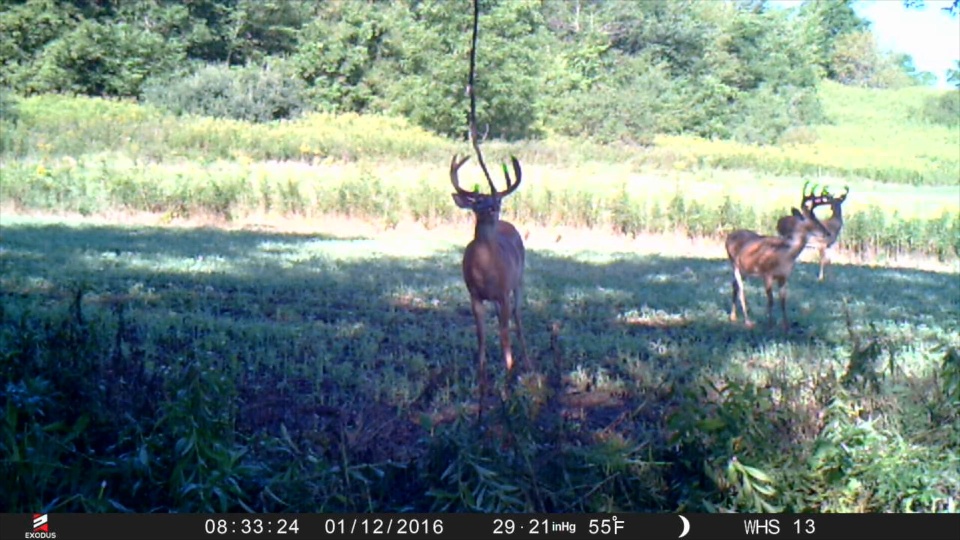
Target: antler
(454, 179)
(840, 199)
(511, 187)
(812, 200)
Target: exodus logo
(41, 528)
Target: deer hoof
(749, 324)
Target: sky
(930, 35)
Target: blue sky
(930, 35)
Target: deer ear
(797, 214)
(463, 201)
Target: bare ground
(410, 237)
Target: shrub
(8, 107)
(252, 93)
(9, 115)
(103, 60)
(943, 109)
(765, 115)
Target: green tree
(952, 9)
(430, 75)
(857, 61)
(920, 78)
(102, 59)
(225, 31)
(110, 47)
(344, 51)
(953, 74)
(833, 19)
(625, 71)
(25, 29)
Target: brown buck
(771, 257)
(493, 261)
(833, 225)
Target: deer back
(737, 240)
(772, 255)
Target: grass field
(294, 371)
(201, 315)
(92, 156)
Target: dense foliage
(612, 71)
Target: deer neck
(837, 213)
(797, 241)
(486, 231)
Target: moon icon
(686, 527)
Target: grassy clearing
(321, 372)
(94, 156)
(869, 135)
(54, 126)
(308, 372)
(881, 219)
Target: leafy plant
(253, 93)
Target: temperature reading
(612, 525)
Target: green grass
(868, 134)
(876, 135)
(95, 156)
(209, 370)
(55, 126)
(888, 219)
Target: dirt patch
(536, 238)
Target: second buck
(771, 257)
(833, 225)
(492, 264)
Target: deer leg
(823, 261)
(504, 318)
(782, 283)
(733, 303)
(476, 305)
(768, 285)
(738, 293)
(517, 296)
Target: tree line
(616, 70)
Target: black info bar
(480, 526)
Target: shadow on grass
(348, 348)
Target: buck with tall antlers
(771, 257)
(493, 261)
(833, 225)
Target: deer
(493, 264)
(833, 224)
(494, 260)
(772, 257)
